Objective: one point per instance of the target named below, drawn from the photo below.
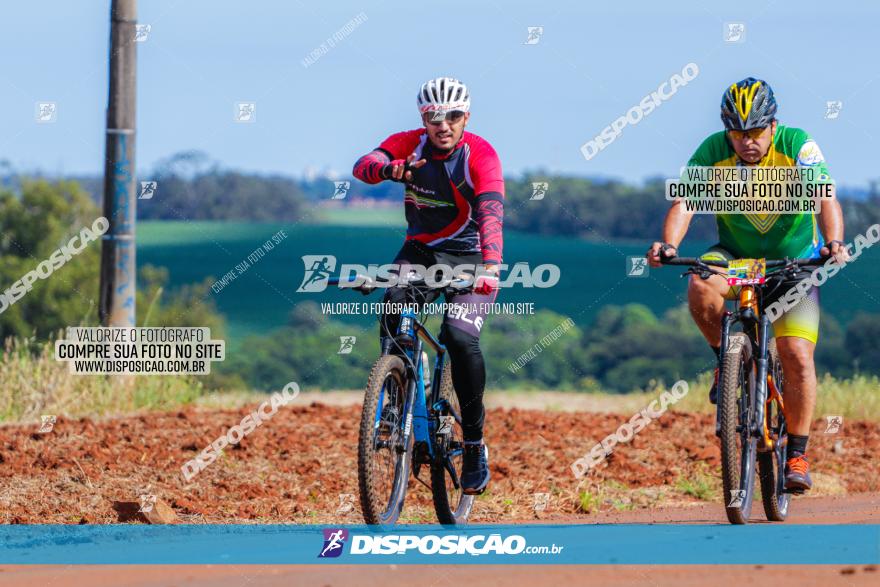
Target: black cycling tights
(468, 377)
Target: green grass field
(387, 217)
(593, 273)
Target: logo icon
(833, 424)
(342, 188)
(47, 423)
(346, 344)
(636, 267)
(245, 112)
(147, 503)
(737, 496)
(141, 32)
(446, 424)
(148, 190)
(534, 35)
(46, 112)
(334, 540)
(832, 109)
(318, 270)
(541, 501)
(539, 190)
(346, 503)
(734, 343)
(734, 32)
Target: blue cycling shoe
(475, 468)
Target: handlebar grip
(813, 262)
(677, 260)
(691, 262)
(817, 262)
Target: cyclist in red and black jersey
(454, 201)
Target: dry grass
(33, 383)
(854, 399)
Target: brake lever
(702, 270)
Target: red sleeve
(485, 168)
(401, 145)
(368, 168)
(398, 146)
(490, 220)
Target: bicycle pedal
(474, 492)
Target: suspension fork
(407, 327)
(760, 399)
(727, 320)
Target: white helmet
(443, 94)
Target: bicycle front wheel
(738, 446)
(383, 460)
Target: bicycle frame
(756, 325)
(422, 432)
(416, 407)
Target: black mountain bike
(404, 426)
(750, 414)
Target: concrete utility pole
(118, 268)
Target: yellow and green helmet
(748, 104)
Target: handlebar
(695, 262)
(367, 284)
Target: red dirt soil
(300, 467)
(439, 575)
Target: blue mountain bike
(405, 426)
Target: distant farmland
(593, 272)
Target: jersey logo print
(423, 202)
(762, 222)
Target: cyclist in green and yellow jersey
(753, 137)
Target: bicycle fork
(415, 410)
(760, 399)
(727, 321)
(761, 361)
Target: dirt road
(856, 509)
(439, 576)
(861, 508)
(299, 468)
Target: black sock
(797, 446)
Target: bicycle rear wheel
(383, 461)
(738, 446)
(771, 464)
(451, 505)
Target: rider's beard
(446, 150)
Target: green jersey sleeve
(712, 151)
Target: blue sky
(536, 103)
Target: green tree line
(622, 349)
(42, 217)
(193, 187)
(625, 348)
